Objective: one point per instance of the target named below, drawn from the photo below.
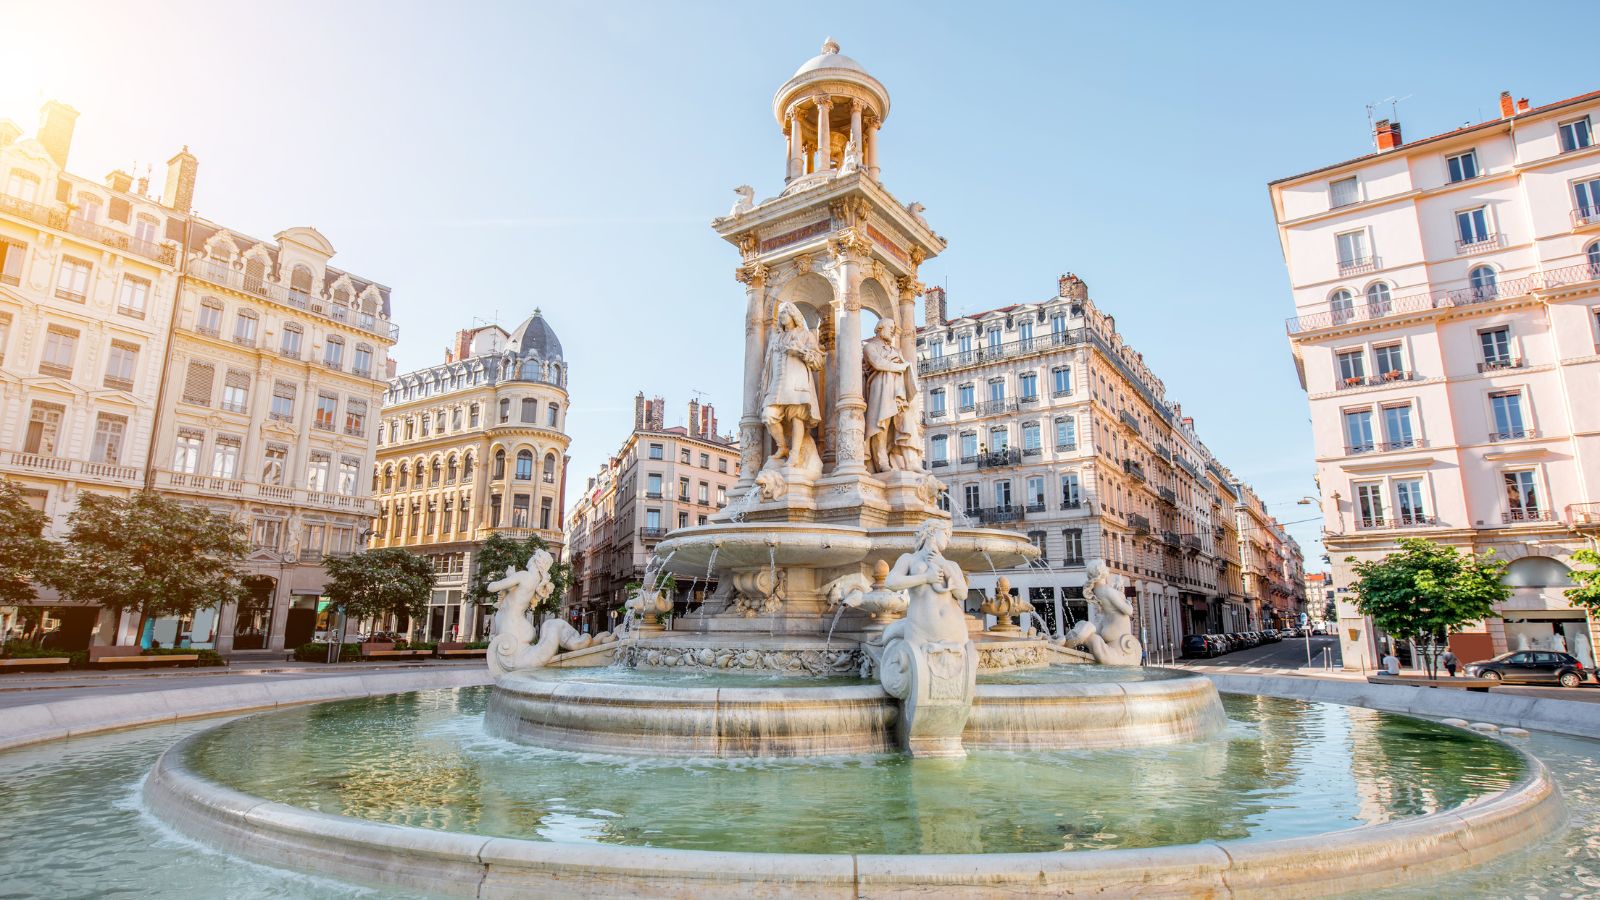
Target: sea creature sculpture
(513, 646)
(1111, 643)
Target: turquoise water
(71, 824)
(1082, 675)
(694, 678)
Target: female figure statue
(891, 385)
(936, 587)
(789, 402)
(1111, 643)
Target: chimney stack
(1188, 422)
(657, 410)
(708, 422)
(1507, 108)
(933, 306)
(178, 193)
(1388, 135)
(56, 121)
(1522, 105)
(638, 411)
(694, 419)
(119, 180)
(1072, 287)
(9, 132)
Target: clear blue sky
(486, 158)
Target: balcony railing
(1170, 538)
(1072, 562)
(223, 274)
(1032, 451)
(1037, 506)
(165, 254)
(1382, 378)
(248, 490)
(1011, 350)
(1404, 520)
(938, 413)
(1167, 495)
(1072, 503)
(1514, 434)
(939, 463)
(1527, 514)
(996, 407)
(1478, 244)
(1163, 452)
(1495, 365)
(39, 463)
(1139, 523)
(990, 515)
(652, 534)
(1403, 444)
(1358, 265)
(1192, 542)
(1325, 315)
(1187, 466)
(998, 458)
(1584, 514)
(1585, 215)
(652, 495)
(1133, 468)
(1130, 420)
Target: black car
(1200, 646)
(1532, 666)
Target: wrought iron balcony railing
(1504, 362)
(1327, 315)
(996, 407)
(1512, 434)
(998, 458)
(1139, 523)
(1478, 244)
(1133, 468)
(1358, 265)
(1391, 377)
(1527, 514)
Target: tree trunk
(138, 634)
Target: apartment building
(1446, 331)
(661, 479)
(1041, 418)
(146, 347)
(472, 447)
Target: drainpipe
(166, 362)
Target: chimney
(1388, 135)
(1507, 108)
(1072, 287)
(658, 414)
(119, 180)
(638, 411)
(933, 306)
(1522, 105)
(56, 121)
(463, 348)
(1188, 422)
(694, 419)
(178, 193)
(9, 132)
(391, 367)
(708, 422)
(144, 183)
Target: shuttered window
(236, 391)
(197, 383)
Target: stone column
(871, 150)
(855, 127)
(249, 466)
(850, 413)
(824, 159)
(906, 323)
(796, 165)
(752, 434)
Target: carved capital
(823, 101)
(850, 244)
(909, 286)
(918, 255)
(753, 274)
(802, 264)
(748, 244)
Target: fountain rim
(450, 862)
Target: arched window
(1341, 304)
(524, 465)
(438, 469)
(466, 467)
(1483, 283)
(404, 475)
(552, 415)
(374, 479)
(499, 465)
(505, 410)
(1378, 299)
(530, 370)
(1594, 260)
(300, 281)
(549, 468)
(555, 373)
(450, 470)
(388, 477)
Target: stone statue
(928, 661)
(746, 201)
(891, 388)
(512, 647)
(857, 591)
(1111, 643)
(294, 536)
(852, 158)
(790, 406)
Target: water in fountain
(741, 507)
(958, 516)
(833, 624)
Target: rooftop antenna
(1394, 110)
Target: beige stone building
(661, 479)
(1039, 417)
(473, 446)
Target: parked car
(1199, 646)
(1272, 635)
(1224, 642)
(1532, 666)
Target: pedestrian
(1391, 663)
(1450, 662)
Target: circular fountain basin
(1293, 798)
(755, 545)
(716, 714)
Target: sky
(486, 159)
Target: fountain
(836, 630)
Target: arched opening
(1483, 283)
(549, 468)
(1378, 299)
(524, 465)
(253, 616)
(499, 471)
(300, 281)
(1341, 305)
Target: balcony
(1404, 520)
(1071, 503)
(207, 485)
(939, 463)
(1469, 246)
(224, 275)
(1325, 316)
(997, 407)
(1585, 216)
(1584, 515)
(652, 495)
(1022, 347)
(166, 254)
(999, 458)
(355, 430)
(1163, 452)
(1403, 444)
(1131, 421)
(1032, 451)
(245, 340)
(1527, 514)
(1072, 562)
(1184, 464)
(939, 413)
(1391, 377)
(1140, 524)
(1192, 543)
(1167, 495)
(1496, 365)
(1037, 506)
(652, 534)
(43, 464)
(1358, 265)
(1170, 538)
(1514, 434)
(994, 515)
(1132, 468)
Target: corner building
(1447, 335)
(471, 447)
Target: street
(1289, 653)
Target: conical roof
(535, 337)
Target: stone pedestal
(935, 682)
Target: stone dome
(831, 71)
(829, 58)
(535, 337)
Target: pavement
(1288, 657)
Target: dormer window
(300, 281)
(23, 186)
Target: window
(225, 458)
(197, 383)
(1342, 305)
(327, 411)
(499, 471)
(1390, 362)
(333, 353)
(472, 416)
(1025, 333)
(1522, 496)
(683, 489)
(23, 186)
(652, 485)
(87, 209)
(1066, 433)
(355, 417)
(44, 428)
(1483, 283)
(546, 513)
(652, 520)
(970, 496)
(1408, 502)
(1343, 192)
(552, 417)
(1587, 193)
(505, 410)
(317, 473)
(132, 296)
(1369, 504)
(997, 390)
(964, 345)
(1506, 407)
(994, 339)
(1575, 135)
(722, 462)
(1352, 367)
(1378, 299)
(186, 455)
(466, 467)
(1358, 430)
(72, 282)
(520, 505)
(349, 472)
(108, 432)
(1002, 494)
(969, 446)
(1028, 386)
(657, 451)
(1035, 488)
(1472, 227)
(276, 462)
(444, 519)
(1352, 249)
(11, 256)
(1594, 270)
(1463, 166)
(1073, 539)
(208, 318)
(282, 402)
(524, 465)
(1061, 381)
(530, 410)
(936, 348)
(267, 534)
(549, 475)
(683, 456)
(1058, 326)
(1496, 345)
(236, 391)
(1397, 432)
(60, 351)
(939, 449)
(495, 506)
(1031, 442)
(936, 402)
(999, 438)
(1070, 498)
(5, 334)
(144, 230)
(964, 397)
(361, 363)
(292, 337)
(120, 363)
(244, 327)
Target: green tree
(376, 583)
(1425, 591)
(1587, 592)
(27, 558)
(147, 553)
(499, 552)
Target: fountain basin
(810, 545)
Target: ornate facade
(472, 447)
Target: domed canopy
(831, 72)
(829, 58)
(535, 337)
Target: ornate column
(752, 434)
(855, 126)
(824, 158)
(795, 165)
(850, 249)
(906, 320)
(261, 399)
(871, 150)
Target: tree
(147, 553)
(27, 558)
(499, 552)
(376, 583)
(1587, 592)
(1426, 591)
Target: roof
(1465, 129)
(536, 337)
(829, 58)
